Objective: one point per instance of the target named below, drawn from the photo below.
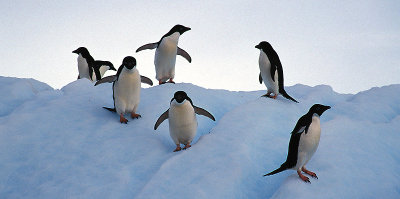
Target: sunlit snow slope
(62, 144)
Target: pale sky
(349, 45)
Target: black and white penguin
(99, 68)
(182, 119)
(165, 57)
(126, 88)
(303, 142)
(90, 68)
(271, 71)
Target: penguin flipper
(107, 79)
(147, 46)
(260, 78)
(184, 54)
(162, 117)
(278, 170)
(201, 111)
(146, 80)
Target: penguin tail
(287, 96)
(280, 169)
(110, 109)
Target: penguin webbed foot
(187, 146)
(302, 177)
(134, 115)
(122, 119)
(310, 173)
(269, 95)
(178, 148)
(171, 81)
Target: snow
(62, 144)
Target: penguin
(166, 51)
(182, 119)
(271, 71)
(99, 68)
(126, 89)
(90, 68)
(303, 142)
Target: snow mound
(15, 92)
(62, 144)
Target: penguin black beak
(186, 29)
(112, 68)
(257, 46)
(75, 51)
(327, 107)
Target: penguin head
(179, 28)
(318, 109)
(111, 66)
(264, 46)
(180, 96)
(129, 62)
(81, 50)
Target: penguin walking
(303, 142)
(182, 119)
(90, 68)
(271, 71)
(166, 51)
(126, 88)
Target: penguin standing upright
(271, 71)
(303, 142)
(90, 68)
(182, 119)
(126, 88)
(165, 57)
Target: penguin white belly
(308, 143)
(165, 57)
(265, 70)
(94, 78)
(103, 69)
(182, 122)
(127, 91)
(83, 67)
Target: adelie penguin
(166, 51)
(182, 119)
(126, 88)
(89, 68)
(271, 71)
(304, 142)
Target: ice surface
(62, 144)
